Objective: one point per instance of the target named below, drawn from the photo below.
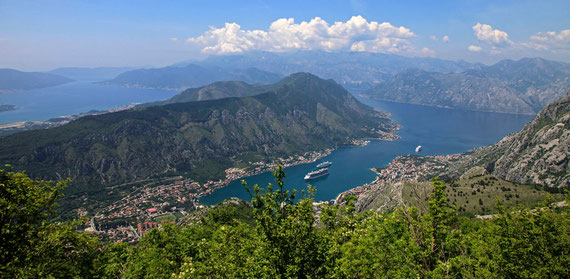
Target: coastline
(441, 107)
(412, 168)
(233, 174)
(15, 127)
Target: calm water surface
(73, 98)
(440, 131)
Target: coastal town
(410, 168)
(148, 206)
(127, 219)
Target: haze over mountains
(14, 81)
(355, 71)
(91, 74)
(191, 75)
(201, 139)
(523, 86)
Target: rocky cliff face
(538, 154)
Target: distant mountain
(217, 90)
(523, 86)
(7, 108)
(538, 154)
(91, 74)
(196, 139)
(356, 71)
(13, 80)
(188, 76)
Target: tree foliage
(282, 236)
(31, 245)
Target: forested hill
(13, 80)
(196, 139)
(523, 86)
(217, 90)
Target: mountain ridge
(13, 80)
(189, 76)
(303, 113)
(523, 86)
(356, 71)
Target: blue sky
(45, 34)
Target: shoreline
(232, 174)
(20, 126)
(410, 168)
(444, 107)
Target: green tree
(31, 245)
(525, 244)
(287, 229)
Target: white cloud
(495, 37)
(356, 34)
(444, 39)
(174, 39)
(549, 40)
(562, 36)
(474, 48)
(427, 52)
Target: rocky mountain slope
(13, 80)
(523, 86)
(189, 76)
(538, 154)
(509, 169)
(196, 139)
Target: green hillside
(199, 140)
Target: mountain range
(201, 139)
(91, 74)
(356, 71)
(523, 86)
(14, 81)
(189, 76)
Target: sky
(46, 34)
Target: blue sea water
(439, 131)
(73, 98)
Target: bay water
(73, 98)
(439, 131)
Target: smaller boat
(316, 174)
(418, 149)
(324, 164)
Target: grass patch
(478, 194)
(166, 217)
